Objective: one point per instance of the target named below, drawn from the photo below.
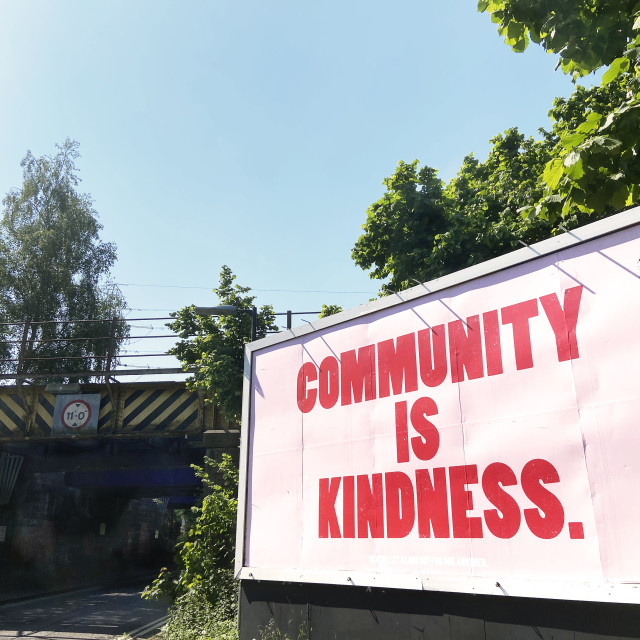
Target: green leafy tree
(202, 586)
(208, 551)
(586, 34)
(596, 169)
(53, 266)
(423, 229)
(215, 344)
(402, 225)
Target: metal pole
(111, 344)
(23, 347)
(254, 323)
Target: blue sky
(254, 134)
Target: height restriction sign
(77, 414)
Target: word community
(397, 366)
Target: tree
(202, 586)
(54, 267)
(586, 34)
(215, 344)
(423, 229)
(585, 168)
(402, 225)
(596, 171)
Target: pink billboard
(475, 434)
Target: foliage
(53, 266)
(193, 617)
(402, 224)
(202, 588)
(586, 34)
(215, 344)
(271, 631)
(205, 554)
(329, 310)
(597, 167)
(423, 229)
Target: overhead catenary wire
(21, 323)
(39, 341)
(124, 341)
(87, 357)
(182, 286)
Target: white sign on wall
(76, 414)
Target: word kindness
(436, 501)
(397, 366)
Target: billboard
(475, 434)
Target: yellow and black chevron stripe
(13, 415)
(160, 410)
(106, 411)
(44, 415)
(144, 410)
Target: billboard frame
(586, 591)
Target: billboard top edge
(528, 253)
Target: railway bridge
(143, 436)
(138, 410)
(90, 475)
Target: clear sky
(254, 134)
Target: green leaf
(606, 143)
(527, 212)
(616, 68)
(520, 45)
(541, 211)
(591, 123)
(573, 165)
(572, 158)
(572, 140)
(515, 30)
(553, 173)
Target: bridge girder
(127, 410)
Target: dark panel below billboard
(327, 612)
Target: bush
(193, 617)
(202, 587)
